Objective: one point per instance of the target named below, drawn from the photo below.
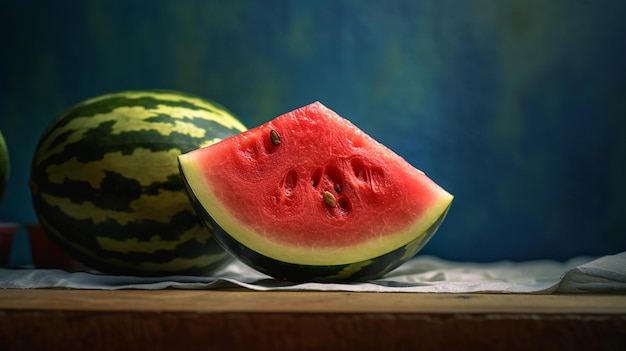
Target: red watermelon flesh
(310, 188)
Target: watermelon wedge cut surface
(309, 196)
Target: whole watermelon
(106, 186)
(4, 166)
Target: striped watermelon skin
(106, 187)
(370, 269)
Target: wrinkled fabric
(426, 274)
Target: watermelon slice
(309, 196)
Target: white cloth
(606, 274)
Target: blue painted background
(516, 107)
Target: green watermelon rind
(114, 238)
(368, 269)
(421, 204)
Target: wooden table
(48, 319)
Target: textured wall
(516, 107)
